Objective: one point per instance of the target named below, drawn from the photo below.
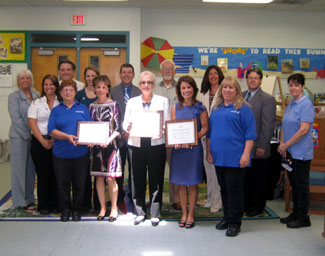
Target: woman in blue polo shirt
(296, 143)
(71, 162)
(229, 143)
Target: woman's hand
(282, 149)
(209, 157)
(47, 144)
(244, 160)
(72, 139)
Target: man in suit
(167, 88)
(122, 93)
(264, 108)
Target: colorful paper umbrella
(154, 51)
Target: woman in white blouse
(146, 154)
(41, 145)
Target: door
(48, 64)
(107, 64)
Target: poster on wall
(5, 75)
(234, 61)
(12, 46)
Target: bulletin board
(12, 46)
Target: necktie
(126, 95)
(248, 96)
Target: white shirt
(135, 103)
(80, 85)
(40, 110)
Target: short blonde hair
(239, 101)
(25, 72)
(147, 73)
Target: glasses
(146, 82)
(167, 69)
(65, 90)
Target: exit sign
(78, 19)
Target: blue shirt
(128, 89)
(301, 110)
(230, 128)
(66, 120)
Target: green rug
(168, 213)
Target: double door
(48, 64)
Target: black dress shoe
(254, 213)
(44, 212)
(139, 219)
(233, 230)
(76, 216)
(222, 225)
(288, 219)
(65, 215)
(100, 218)
(299, 223)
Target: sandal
(182, 223)
(189, 224)
(31, 207)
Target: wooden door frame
(77, 45)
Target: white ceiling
(277, 5)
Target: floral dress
(106, 162)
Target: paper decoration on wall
(12, 46)
(154, 51)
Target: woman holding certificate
(70, 161)
(106, 162)
(147, 154)
(187, 161)
(229, 143)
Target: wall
(181, 27)
(197, 27)
(57, 18)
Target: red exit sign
(78, 19)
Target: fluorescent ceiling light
(88, 39)
(240, 1)
(95, 0)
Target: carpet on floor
(168, 213)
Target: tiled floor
(258, 237)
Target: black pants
(231, 181)
(299, 180)
(149, 159)
(47, 192)
(120, 180)
(255, 185)
(71, 171)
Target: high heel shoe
(182, 223)
(189, 224)
(100, 218)
(112, 218)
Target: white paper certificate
(95, 133)
(146, 123)
(181, 132)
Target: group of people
(234, 131)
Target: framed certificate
(147, 124)
(92, 132)
(181, 132)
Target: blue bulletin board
(234, 61)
